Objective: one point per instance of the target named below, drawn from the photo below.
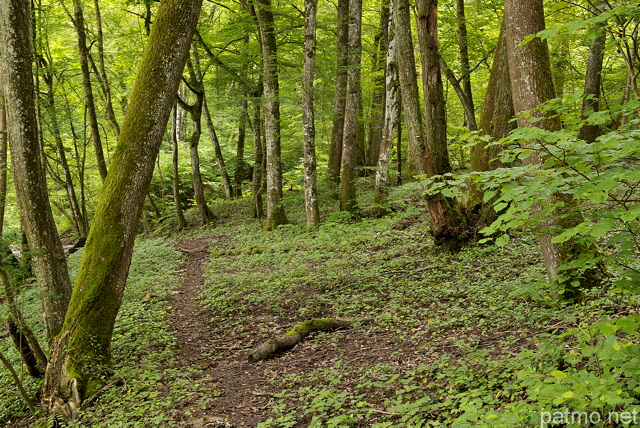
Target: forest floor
(455, 339)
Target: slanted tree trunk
(275, 211)
(49, 261)
(224, 173)
(391, 111)
(309, 130)
(495, 121)
(78, 219)
(84, 344)
(532, 85)
(340, 94)
(447, 223)
(177, 199)
(348, 196)
(88, 90)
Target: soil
(243, 390)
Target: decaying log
(299, 332)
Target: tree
(310, 193)
(84, 344)
(340, 95)
(78, 21)
(177, 199)
(391, 111)
(28, 171)
(447, 223)
(465, 69)
(275, 212)
(496, 122)
(532, 85)
(348, 196)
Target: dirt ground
(220, 357)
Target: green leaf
(603, 226)
(502, 240)
(558, 374)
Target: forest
(260, 213)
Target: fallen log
(299, 332)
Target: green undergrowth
(480, 337)
(153, 384)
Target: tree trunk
(224, 174)
(379, 92)
(84, 344)
(495, 121)
(28, 172)
(88, 90)
(242, 132)
(409, 83)
(465, 68)
(275, 211)
(390, 118)
(177, 200)
(77, 217)
(446, 220)
(309, 131)
(592, 84)
(258, 167)
(348, 201)
(4, 147)
(532, 85)
(104, 80)
(340, 95)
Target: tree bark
(104, 79)
(465, 68)
(88, 90)
(258, 167)
(532, 85)
(84, 344)
(447, 223)
(592, 84)
(390, 118)
(298, 333)
(348, 196)
(495, 121)
(379, 92)
(275, 211)
(242, 132)
(29, 175)
(309, 130)
(177, 199)
(224, 173)
(340, 95)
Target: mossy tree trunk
(340, 93)
(532, 85)
(271, 94)
(311, 205)
(447, 223)
(81, 354)
(257, 182)
(49, 261)
(348, 197)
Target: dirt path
(217, 361)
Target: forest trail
(215, 355)
(216, 362)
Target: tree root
(299, 332)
